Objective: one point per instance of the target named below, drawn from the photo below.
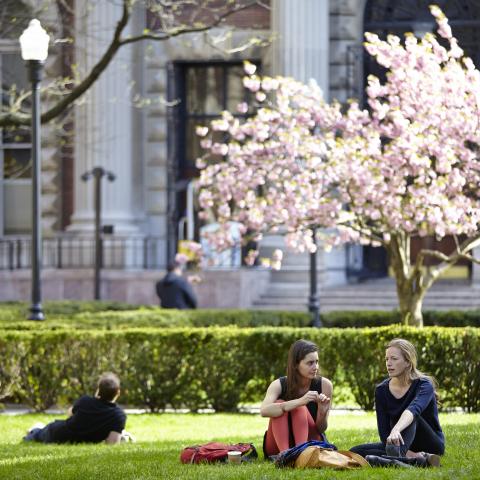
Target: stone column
(104, 125)
(301, 51)
(302, 44)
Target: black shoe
(377, 461)
(412, 461)
(432, 459)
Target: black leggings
(417, 437)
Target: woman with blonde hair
(406, 408)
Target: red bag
(216, 452)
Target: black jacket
(175, 292)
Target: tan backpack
(318, 457)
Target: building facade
(138, 122)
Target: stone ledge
(220, 288)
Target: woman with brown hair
(406, 408)
(297, 404)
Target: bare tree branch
(461, 253)
(18, 118)
(184, 30)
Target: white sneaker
(127, 437)
(36, 425)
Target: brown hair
(108, 386)
(298, 351)
(409, 353)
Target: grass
(160, 439)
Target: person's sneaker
(432, 459)
(127, 437)
(419, 461)
(377, 461)
(30, 436)
(36, 426)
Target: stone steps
(374, 295)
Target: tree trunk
(410, 284)
(410, 303)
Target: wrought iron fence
(79, 252)
(72, 251)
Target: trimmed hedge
(112, 315)
(375, 318)
(222, 367)
(115, 315)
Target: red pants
(303, 426)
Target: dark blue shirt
(92, 421)
(419, 400)
(175, 292)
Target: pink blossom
(252, 83)
(220, 125)
(242, 107)
(249, 68)
(200, 163)
(181, 258)
(260, 96)
(269, 84)
(201, 131)
(206, 143)
(219, 149)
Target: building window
(205, 91)
(15, 148)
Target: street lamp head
(34, 42)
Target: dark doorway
(199, 92)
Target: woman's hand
(323, 403)
(395, 438)
(310, 396)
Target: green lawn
(160, 439)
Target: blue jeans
(45, 434)
(418, 437)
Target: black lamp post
(98, 173)
(34, 46)
(313, 299)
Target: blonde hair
(409, 353)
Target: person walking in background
(298, 404)
(91, 419)
(174, 291)
(406, 408)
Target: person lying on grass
(91, 419)
(406, 408)
(302, 396)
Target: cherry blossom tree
(409, 166)
(406, 167)
(272, 172)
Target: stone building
(138, 119)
